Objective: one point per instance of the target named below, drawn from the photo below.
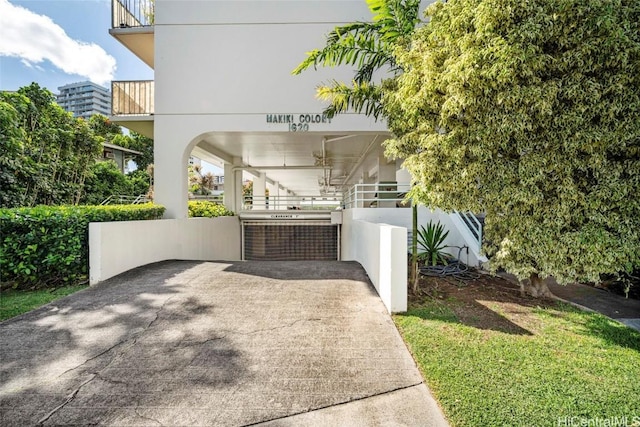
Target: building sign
(284, 216)
(298, 122)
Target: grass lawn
(493, 358)
(13, 303)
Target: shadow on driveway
(202, 343)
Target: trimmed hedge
(207, 209)
(48, 246)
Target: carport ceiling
(273, 151)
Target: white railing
(473, 224)
(209, 198)
(119, 199)
(380, 195)
(283, 203)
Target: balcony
(132, 105)
(291, 203)
(380, 195)
(132, 24)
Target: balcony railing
(381, 195)
(132, 98)
(132, 13)
(392, 195)
(296, 203)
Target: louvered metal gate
(290, 240)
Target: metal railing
(209, 198)
(119, 199)
(296, 203)
(473, 224)
(132, 98)
(380, 195)
(132, 13)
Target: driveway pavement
(202, 343)
(623, 310)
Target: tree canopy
(529, 112)
(48, 157)
(369, 46)
(48, 151)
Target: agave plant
(431, 242)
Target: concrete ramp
(214, 343)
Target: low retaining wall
(381, 249)
(115, 247)
(459, 234)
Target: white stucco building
(224, 92)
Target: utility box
(336, 217)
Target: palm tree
(368, 46)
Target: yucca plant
(431, 242)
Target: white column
(386, 169)
(233, 186)
(259, 186)
(229, 196)
(386, 174)
(274, 197)
(170, 177)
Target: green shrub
(431, 243)
(48, 246)
(207, 209)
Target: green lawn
(556, 362)
(13, 303)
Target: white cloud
(25, 62)
(34, 38)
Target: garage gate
(301, 240)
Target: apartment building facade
(223, 92)
(84, 99)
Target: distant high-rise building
(84, 99)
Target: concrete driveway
(211, 343)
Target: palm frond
(366, 44)
(362, 97)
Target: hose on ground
(454, 268)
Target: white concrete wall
(222, 66)
(459, 234)
(235, 58)
(381, 249)
(115, 247)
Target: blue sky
(56, 42)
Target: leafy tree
(144, 145)
(200, 183)
(105, 179)
(530, 112)
(11, 136)
(101, 126)
(368, 46)
(140, 182)
(55, 151)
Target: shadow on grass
(493, 303)
(612, 332)
(475, 315)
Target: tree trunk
(414, 248)
(536, 287)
